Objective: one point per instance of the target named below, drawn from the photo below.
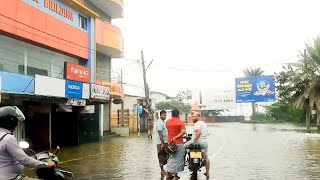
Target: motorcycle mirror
(57, 150)
(24, 144)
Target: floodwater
(236, 150)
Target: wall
(130, 103)
(158, 97)
(37, 24)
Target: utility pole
(146, 90)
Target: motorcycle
(194, 157)
(55, 173)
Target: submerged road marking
(81, 158)
(219, 149)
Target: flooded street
(237, 151)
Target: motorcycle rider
(12, 157)
(200, 137)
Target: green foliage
(250, 72)
(285, 113)
(261, 117)
(166, 105)
(184, 95)
(286, 90)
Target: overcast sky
(205, 44)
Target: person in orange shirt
(176, 130)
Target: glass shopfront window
(22, 58)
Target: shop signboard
(75, 89)
(100, 92)
(76, 102)
(77, 72)
(115, 89)
(48, 86)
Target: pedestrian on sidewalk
(162, 140)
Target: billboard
(219, 100)
(255, 89)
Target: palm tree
(304, 95)
(252, 72)
(307, 76)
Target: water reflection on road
(237, 151)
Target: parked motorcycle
(55, 173)
(194, 157)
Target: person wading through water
(162, 140)
(176, 130)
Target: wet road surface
(236, 151)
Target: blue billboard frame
(255, 89)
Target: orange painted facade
(35, 26)
(109, 35)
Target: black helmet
(9, 117)
(172, 148)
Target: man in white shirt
(200, 136)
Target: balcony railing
(108, 75)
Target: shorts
(204, 147)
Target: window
(83, 22)
(22, 58)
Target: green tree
(288, 86)
(285, 112)
(308, 74)
(252, 72)
(166, 105)
(183, 95)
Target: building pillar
(101, 119)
